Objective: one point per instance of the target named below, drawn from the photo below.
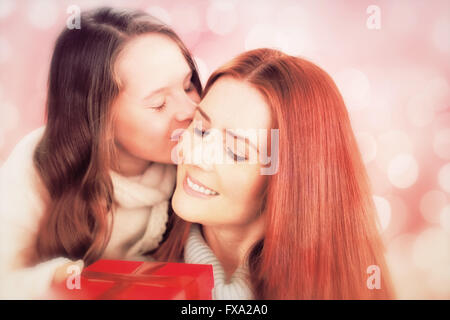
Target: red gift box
(137, 280)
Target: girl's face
(226, 191)
(156, 98)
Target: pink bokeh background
(395, 81)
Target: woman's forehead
(235, 104)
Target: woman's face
(227, 190)
(156, 98)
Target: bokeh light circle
(441, 143)
(445, 218)
(221, 17)
(6, 7)
(367, 146)
(384, 212)
(444, 177)
(354, 86)
(431, 248)
(403, 171)
(160, 13)
(431, 205)
(43, 14)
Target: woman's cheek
(241, 182)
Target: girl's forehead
(150, 62)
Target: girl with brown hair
(95, 182)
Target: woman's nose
(198, 151)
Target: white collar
(196, 251)
(152, 187)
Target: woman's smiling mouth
(195, 188)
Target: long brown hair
(321, 233)
(77, 149)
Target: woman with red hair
(306, 228)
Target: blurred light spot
(401, 17)
(354, 87)
(445, 218)
(399, 251)
(395, 141)
(221, 17)
(43, 13)
(384, 212)
(431, 248)
(403, 171)
(432, 204)
(441, 34)
(5, 50)
(399, 216)
(186, 19)
(441, 143)
(433, 96)
(444, 177)
(257, 10)
(6, 7)
(294, 36)
(2, 139)
(261, 35)
(390, 144)
(439, 282)
(379, 112)
(159, 13)
(437, 91)
(202, 70)
(367, 146)
(419, 110)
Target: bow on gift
(142, 276)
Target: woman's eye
(201, 133)
(235, 156)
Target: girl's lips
(176, 134)
(195, 188)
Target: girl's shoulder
(21, 157)
(20, 183)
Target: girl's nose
(185, 107)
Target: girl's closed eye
(190, 87)
(157, 105)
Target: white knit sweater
(197, 251)
(139, 219)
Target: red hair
(321, 233)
